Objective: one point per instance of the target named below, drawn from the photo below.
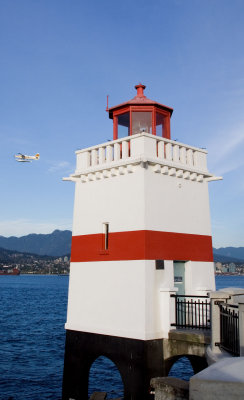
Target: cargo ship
(9, 271)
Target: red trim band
(142, 245)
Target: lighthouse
(141, 232)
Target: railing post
(168, 151)
(117, 151)
(94, 157)
(101, 155)
(109, 153)
(167, 309)
(83, 160)
(200, 160)
(241, 326)
(183, 155)
(161, 149)
(189, 157)
(125, 149)
(143, 145)
(176, 311)
(175, 153)
(215, 298)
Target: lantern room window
(123, 125)
(159, 124)
(141, 122)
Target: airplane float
(24, 158)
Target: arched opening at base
(184, 367)
(181, 369)
(104, 376)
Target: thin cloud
(229, 167)
(226, 151)
(227, 143)
(60, 166)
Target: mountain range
(16, 257)
(58, 243)
(235, 254)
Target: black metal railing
(229, 328)
(192, 312)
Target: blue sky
(59, 59)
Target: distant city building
(218, 267)
(232, 267)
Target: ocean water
(33, 313)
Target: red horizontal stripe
(142, 245)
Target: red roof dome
(140, 114)
(139, 99)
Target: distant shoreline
(34, 274)
(229, 274)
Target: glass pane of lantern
(123, 125)
(159, 124)
(141, 122)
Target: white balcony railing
(149, 147)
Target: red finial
(140, 89)
(107, 104)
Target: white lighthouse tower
(141, 231)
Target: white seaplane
(24, 158)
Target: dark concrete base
(137, 361)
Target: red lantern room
(140, 115)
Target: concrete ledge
(223, 380)
(167, 388)
(196, 336)
(186, 342)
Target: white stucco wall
(118, 200)
(142, 200)
(199, 278)
(119, 298)
(176, 205)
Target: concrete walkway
(223, 380)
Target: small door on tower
(179, 277)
